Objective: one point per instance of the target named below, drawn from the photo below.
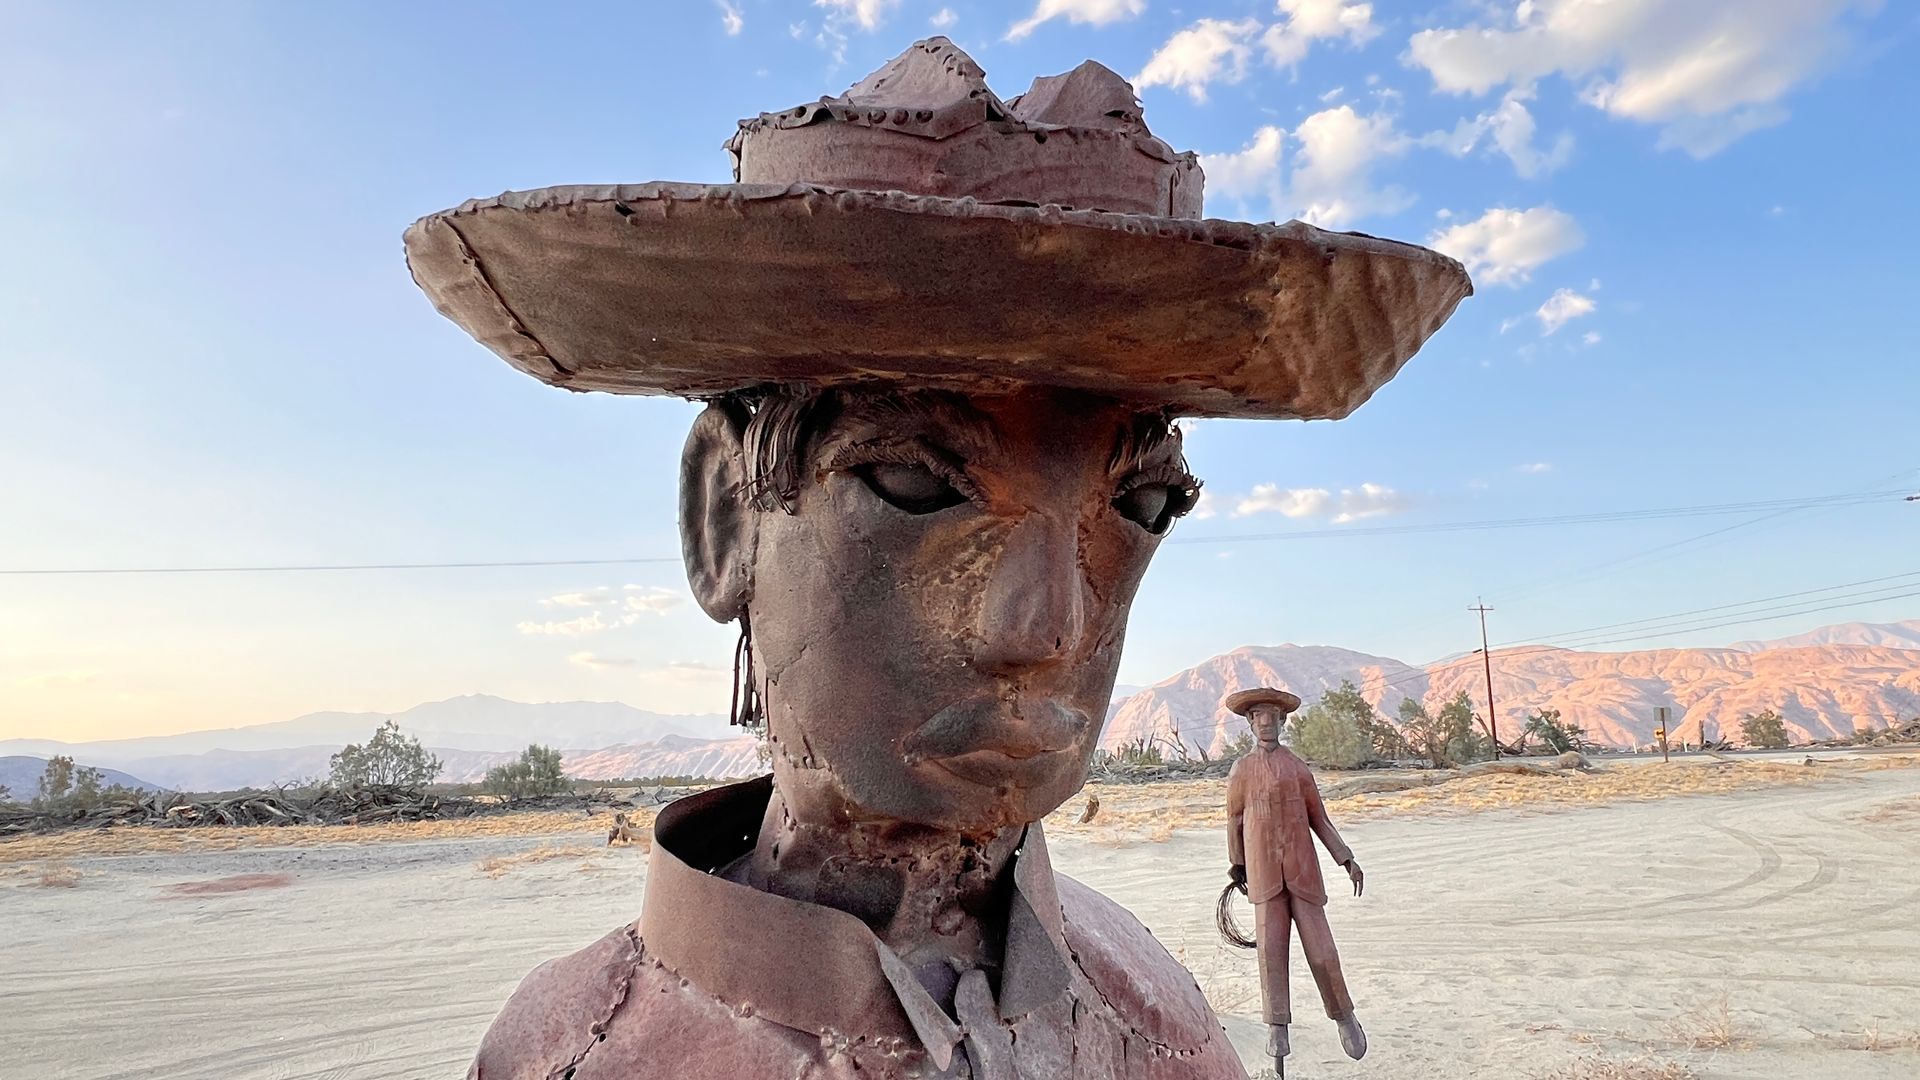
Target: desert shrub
(1764, 730)
(389, 759)
(68, 788)
(1139, 752)
(1335, 731)
(1557, 735)
(537, 772)
(1448, 737)
(1240, 747)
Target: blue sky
(211, 353)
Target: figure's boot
(1352, 1039)
(1278, 1047)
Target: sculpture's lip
(996, 768)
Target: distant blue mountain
(21, 773)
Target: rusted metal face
(951, 667)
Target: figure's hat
(917, 230)
(1243, 701)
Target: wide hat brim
(695, 291)
(1243, 701)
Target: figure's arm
(1236, 825)
(1330, 836)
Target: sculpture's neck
(938, 899)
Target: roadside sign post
(1661, 733)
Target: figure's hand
(1353, 871)
(1238, 875)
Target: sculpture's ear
(718, 528)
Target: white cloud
(1331, 184)
(1535, 468)
(1504, 246)
(1088, 12)
(1562, 307)
(1369, 500)
(1350, 504)
(1208, 506)
(1706, 71)
(586, 598)
(1331, 180)
(1508, 129)
(652, 599)
(1590, 338)
(1217, 49)
(1290, 502)
(683, 672)
(867, 13)
(1208, 50)
(612, 609)
(943, 18)
(730, 17)
(1333, 95)
(596, 662)
(1288, 42)
(1252, 170)
(580, 627)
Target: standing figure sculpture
(1273, 813)
(941, 339)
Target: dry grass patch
(58, 877)
(143, 840)
(1903, 811)
(1143, 813)
(1873, 1040)
(1604, 1068)
(1615, 782)
(1708, 1027)
(1150, 813)
(497, 866)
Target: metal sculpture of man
(1273, 813)
(941, 339)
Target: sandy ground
(1766, 930)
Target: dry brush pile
(326, 805)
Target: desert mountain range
(1825, 683)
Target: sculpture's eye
(1155, 498)
(911, 486)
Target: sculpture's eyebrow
(939, 418)
(1147, 439)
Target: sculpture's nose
(1033, 614)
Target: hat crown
(927, 123)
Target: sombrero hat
(1243, 701)
(919, 230)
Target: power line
(1651, 514)
(1671, 548)
(1648, 633)
(1718, 607)
(1656, 513)
(328, 567)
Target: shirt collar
(815, 968)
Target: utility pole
(1486, 654)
